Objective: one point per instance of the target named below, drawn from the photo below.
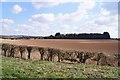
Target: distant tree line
(58, 35)
(105, 35)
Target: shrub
(102, 59)
(117, 57)
(79, 56)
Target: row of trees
(105, 35)
(73, 56)
(9, 50)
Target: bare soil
(105, 46)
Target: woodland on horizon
(58, 35)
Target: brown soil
(105, 46)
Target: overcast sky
(46, 18)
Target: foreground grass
(18, 68)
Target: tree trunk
(21, 54)
(5, 51)
(80, 57)
(29, 49)
(51, 57)
(58, 57)
(28, 55)
(42, 56)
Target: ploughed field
(106, 46)
(60, 58)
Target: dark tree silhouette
(105, 35)
(29, 49)
(57, 34)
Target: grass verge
(19, 68)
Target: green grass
(18, 68)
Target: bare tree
(5, 48)
(50, 52)
(12, 50)
(42, 51)
(29, 49)
(22, 49)
(58, 53)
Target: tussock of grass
(18, 68)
